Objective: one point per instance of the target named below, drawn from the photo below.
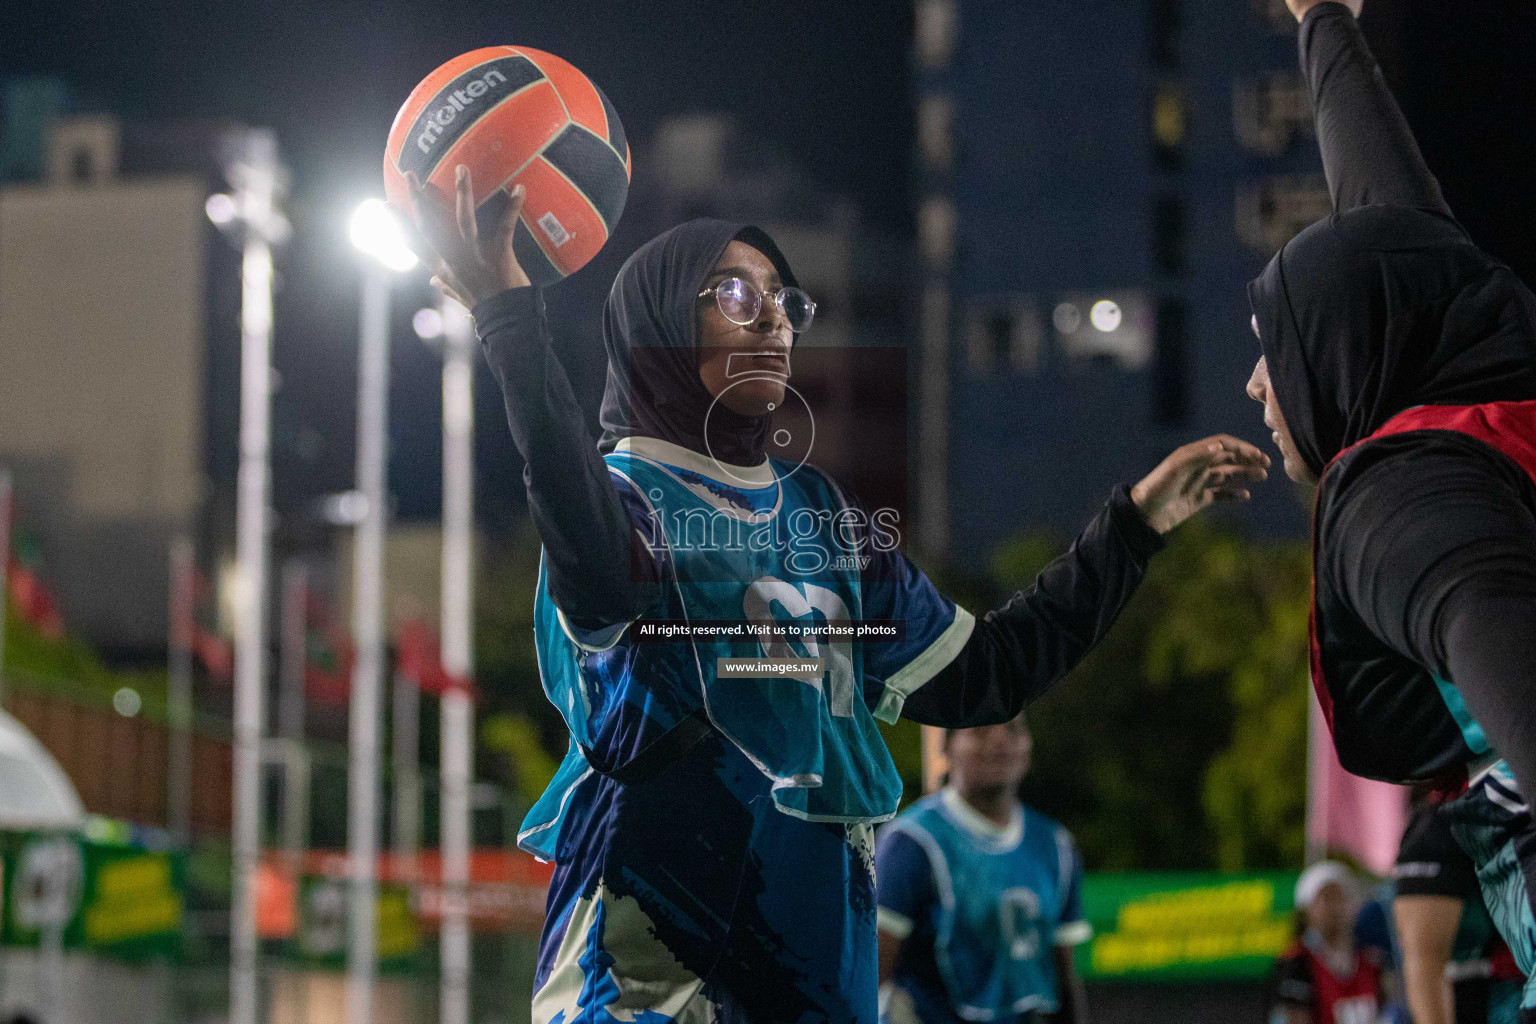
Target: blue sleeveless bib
(724, 559)
(1000, 900)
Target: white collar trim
(1004, 837)
(758, 476)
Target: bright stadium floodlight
(375, 231)
(428, 324)
(1105, 315)
(221, 208)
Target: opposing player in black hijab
(1399, 373)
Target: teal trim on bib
(1471, 732)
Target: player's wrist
(508, 307)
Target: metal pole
(178, 692)
(5, 565)
(368, 631)
(457, 712)
(50, 959)
(291, 652)
(290, 711)
(256, 173)
(406, 755)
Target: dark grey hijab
(650, 333)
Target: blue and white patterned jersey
(737, 881)
(979, 909)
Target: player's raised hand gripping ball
(516, 116)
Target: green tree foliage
(526, 765)
(904, 739)
(71, 668)
(1180, 742)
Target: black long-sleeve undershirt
(1369, 153)
(578, 514)
(1013, 654)
(1017, 651)
(1428, 538)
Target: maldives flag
(419, 657)
(328, 655)
(214, 651)
(1345, 813)
(30, 594)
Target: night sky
(825, 81)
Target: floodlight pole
(368, 635)
(457, 713)
(292, 657)
(255, 178)
(178, 691)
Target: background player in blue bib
(979, 896)
(712, 831)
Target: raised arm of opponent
(1369, 153)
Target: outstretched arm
(579, 514)
(1016, 652)
(1369, 153)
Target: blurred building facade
(105, 363)
(1097, 184)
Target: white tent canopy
(34, 791)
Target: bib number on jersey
(759, 603)
(1018, 912)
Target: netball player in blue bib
(712, 831)
(980, 903)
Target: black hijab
(650, 331)
(1376, 310)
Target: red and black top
(1425, 529)
(1389, 716)
(1304, 981)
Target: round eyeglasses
(741, 303)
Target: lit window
(1168, 125)
(936, 231)
(1168, 117)
(935, 126)
(938, 22)
(1270, 111)
(1117, 331)
(1271, 212)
